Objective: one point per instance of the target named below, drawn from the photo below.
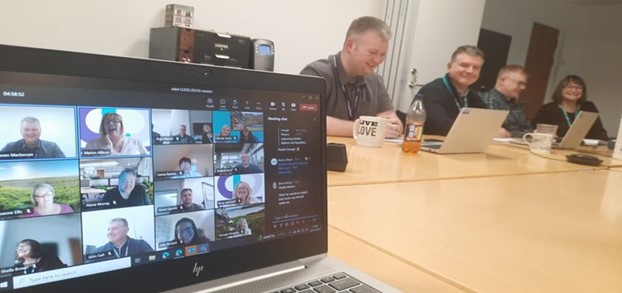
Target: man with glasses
(511, 82)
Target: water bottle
(413, 130)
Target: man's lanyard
(568, 117)
(455, 94)
(117, 253)
(353, 96)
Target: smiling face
(117, 232)
(112, 125)
(23, 250)
(242, 192)
(464, 70)
(31, 131)
(363, 53)
(184, 232)
(572, 91)
(127, 182)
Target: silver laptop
(472, 132)
(575, 134)
(577, 131)
(240, 206)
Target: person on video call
(246, 136)
(511, 82)
(569, 99)
(119, 243)
(242, 226)
(353, 89)
(182, 137)
(242, 194)
(127, 193)
(30, 258)
(186, 233)
(207, 136)
(186, 202)
(112, 137)
(187, 168)
(30, 129)
(246, 167)
(444, 97)
(42, 197)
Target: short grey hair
(469, 50)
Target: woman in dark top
(186, 233)
(569, 99)
(29, 258)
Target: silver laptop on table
(575, 134)
(193, 222)
(472, 132)
(578, 130)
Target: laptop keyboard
(338, 282)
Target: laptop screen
(153, 174)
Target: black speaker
(336, 157)
(262, 55)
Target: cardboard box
(178, 15)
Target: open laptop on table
(575, 134)
(160, 211)
(472, 132)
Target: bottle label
(414, 132)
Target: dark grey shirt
(373, 97)
(45, 149)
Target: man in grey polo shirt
(353, 89)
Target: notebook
(472, 132)
(575, 134)
(134, 175)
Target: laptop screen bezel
(177, 273)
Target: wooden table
(388, 164)
(385, 267)
(553, 232)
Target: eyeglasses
(49, 194)
(574, 87)
(521, 84)
(115, 121)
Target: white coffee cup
(369, 131)
(539, 143)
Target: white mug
(539, 143)
(369, 131)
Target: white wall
(440, 26)
(303, 31)
(589, 45)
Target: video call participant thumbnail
(119, 243)
(182, 137)
(19, 198)
(30, 129)
(31, 258)
(186, 202)
(113, 140)
(183, 161)
(42, 198)
(186, 233)
(127, 193)
(246, 167)
(236, 190)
